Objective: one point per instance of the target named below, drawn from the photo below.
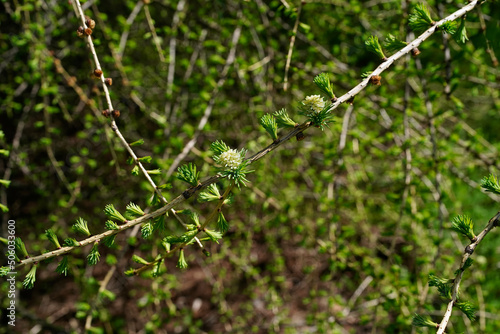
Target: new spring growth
(146, 230)
(230, 159)
(317, 110)
(133, 211)
(81, 227)
(52, 238)
(29, 280)
(181, 263)
(269, 123)
(94, 255)
(112, 213)
(211, 193)
(420, 20)
(314, 103)
(233, 163)
(392, 44)
(323, 82)
(465, 226)
(419, 321)
(490, 184)
(373, 45)
(467, 308)
(188, 174)
(461, 34)
(283, 120)
(62, 267)
(222, 223)
(21, 248)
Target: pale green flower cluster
(231, 159)
(314, 102)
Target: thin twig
(493, 222)
(156, 40)
(290, 48)
(171, 57)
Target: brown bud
(300, 136)
(116, 113)
(89, 22)
(334, 99)
(375, 80)
(415, 52)
(350, 101)
(108, 81)
(88, 31)
(106, 113)
(97, 72)
(80, 31)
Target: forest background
(336, 232)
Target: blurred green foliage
(323, 239)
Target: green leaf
(159, 224)
(29, 280)
(111, 225)
(323, 82)
(62, 267)
(420, 20)
(210, 194)
(112, 213)
(188, 174)
(268, 122)
(4, 208)
(157, 269)
(463, 225)
(219, 147)
(373, 45)
(52, 238)
(490, 184)
(181, 263)
(449, 27)
(140, 260)
(94, 255)
(146, 159)
(5, 183)
(130, 272)
(70, 242)
(392, 44)
(283, 120)
(213, 235)
(419, 321)
(468, 309)
(21, 248)
(461, 33)
(147, 230)
(134, 210)
(222, 223)
(109, 240)
(135, 171)
(137, 142)
(81, 227)
(437, 281)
